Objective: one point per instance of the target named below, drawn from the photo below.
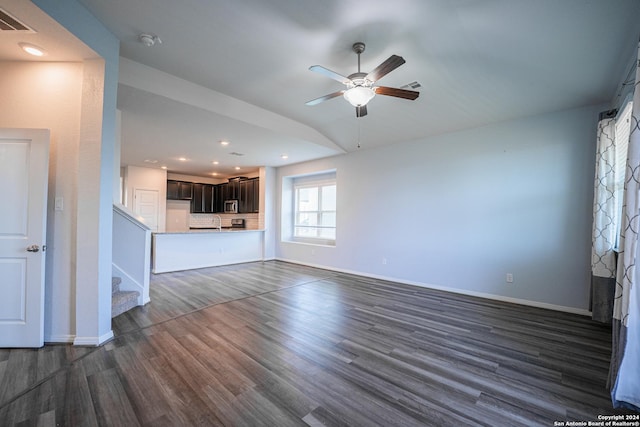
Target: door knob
(33, 248)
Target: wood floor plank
(110, 401)
(273, 343)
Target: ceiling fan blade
(398, 93)
(393, 62)
(331, 74)
(325, 98)
(361, 111)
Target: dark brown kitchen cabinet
(256, 195)
(179, 190)
(173, 190)
(244, 202)
(196, 201)
(207, 197)
(220, 195)
(202, 201)
(217, 200)
(233, 188)
(249, 196)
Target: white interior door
(24, 162)
(145, 204)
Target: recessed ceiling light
(153, 161)
(163, 167)
(214, 173)
(215, 162)
(183, 159)
(32, 49)
(284, 156)
(224, 142)
(237, 168)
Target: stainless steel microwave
(230, 206)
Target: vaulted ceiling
(477, 61)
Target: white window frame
(316, 181)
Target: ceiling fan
(360, 86)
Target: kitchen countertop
(200, 230)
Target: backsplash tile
(252, 221)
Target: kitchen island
(205, 247)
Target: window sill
(311, 242)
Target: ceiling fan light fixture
(359, 95)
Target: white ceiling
(59, 44)
(478, 61)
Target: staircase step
(122, 301)
(115, 284)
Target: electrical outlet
(509, 278)
(384, 261)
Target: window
(314, 212)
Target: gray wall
(461, 210)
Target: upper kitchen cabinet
(210, 198)
(233, 188)
(256, 195)
(219, 196)
(249, 196)
(196, 201)
(207, 198)
(179, 190)
(202, 201)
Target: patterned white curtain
(606, 220)
(625, 360)
(605, 203)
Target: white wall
(147, 179)
(178, 215)
(95, 215)
(192, 178)
(82, 120)
(459, 211)
(267, 216)
(47, 95)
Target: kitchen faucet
(219, 222)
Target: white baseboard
(494, 297)
(59, 339)
(93, 341)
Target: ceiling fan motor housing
(358, 47)
(359, 79)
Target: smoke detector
(149, 39)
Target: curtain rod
(609, 114)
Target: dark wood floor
(277, 344)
